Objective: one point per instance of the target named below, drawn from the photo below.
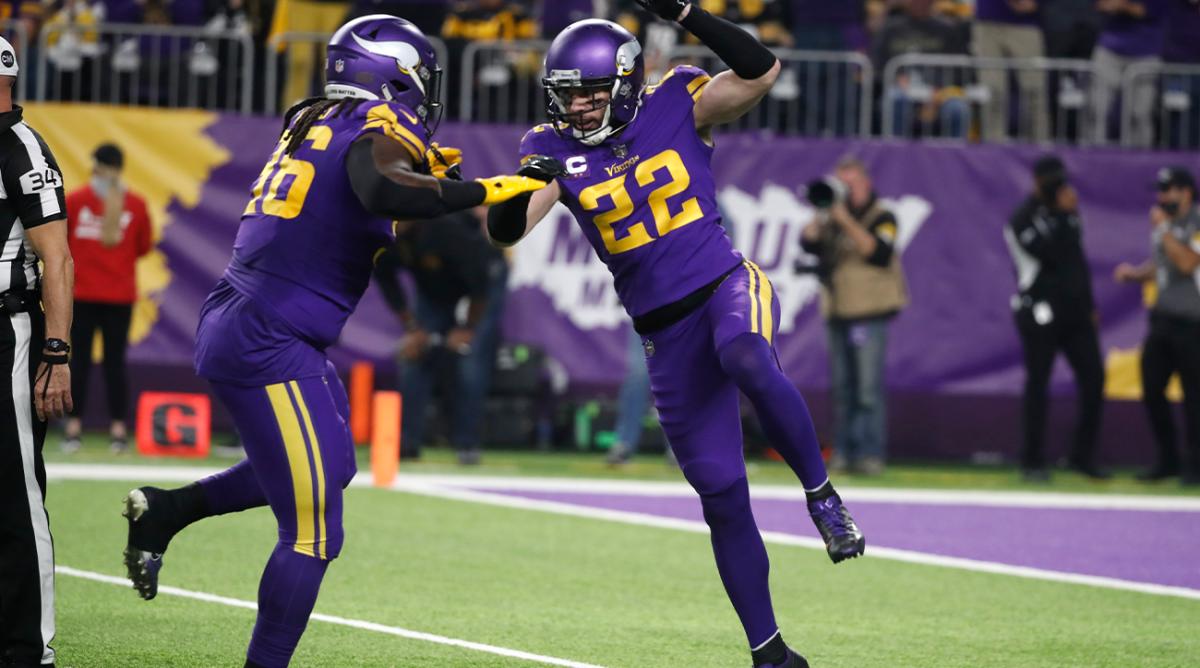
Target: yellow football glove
(442, 159)
(503, 188)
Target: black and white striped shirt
(31, 194)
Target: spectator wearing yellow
(314, 16)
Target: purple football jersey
(646, 199)
(306, 247)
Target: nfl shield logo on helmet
(339, 66)
(648, 347)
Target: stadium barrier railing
(146, 65)
(281, 46)
(818, 93)
(16, 32)
(960, 97)
(501, 82)
(1171, 92)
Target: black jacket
(1047, 252)
(448, 258)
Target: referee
(33, 354)
(1173, 342)
(1055, 312)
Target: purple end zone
(1143, 546)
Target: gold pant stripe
(753, 299)
(297, 455)
(766, 293)
(316, 457)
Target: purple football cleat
(843, 540)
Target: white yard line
(340, 621)
(468, 488)
(647, 520)
(1002, 499)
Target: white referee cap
(8, 59)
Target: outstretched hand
(542, 168)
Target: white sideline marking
(447, 487)
(643, 519)
(340, 621)
(1003, 499)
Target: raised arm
(753, 69)
(381, 174)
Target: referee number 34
(37, 180)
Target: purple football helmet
(598, 55)
(385, 57)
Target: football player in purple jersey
(639, 182)
(346, 166)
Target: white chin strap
(597, 137)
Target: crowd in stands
(1111, 34)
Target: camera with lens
(822, 194)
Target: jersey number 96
(267, 198)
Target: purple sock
(286, 596)
(750, 361)
(233, 490)
(741, 559)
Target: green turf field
(579, 589)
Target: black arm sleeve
(507, 221)
(383, 196)
(389, 282)
(744, 54)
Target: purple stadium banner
(954, 361)
(951, 201)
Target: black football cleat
(794, 660)
(147, 541)
(776, 654)
(843, 540)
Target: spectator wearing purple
(829, 25)
(1009, 29)
(123, 11)
(1133, 33)
(1181, 91)
(556, 15)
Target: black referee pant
(1172, 346)
(1075, 336)
(26, 548)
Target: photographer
(862, 288)
(1173, 342)
(1055, 311)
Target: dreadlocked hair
(300, 118)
